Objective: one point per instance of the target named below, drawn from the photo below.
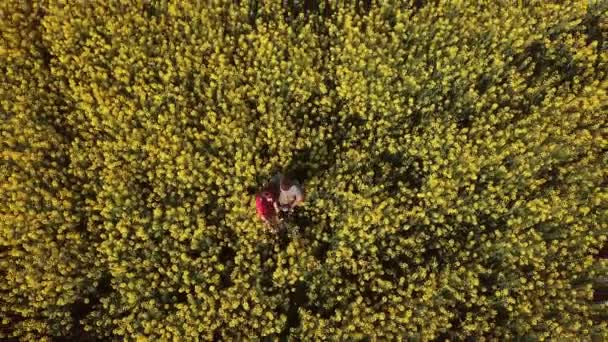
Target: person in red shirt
(267, 207)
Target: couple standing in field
(281, 194)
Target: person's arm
(299, 195)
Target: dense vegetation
(454, 158)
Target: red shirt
(264, 207)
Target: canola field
(454, 156)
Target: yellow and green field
(454, 156)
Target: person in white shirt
(291, 193)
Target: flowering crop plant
(454, 156)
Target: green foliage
(454, 157)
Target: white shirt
(294, 193)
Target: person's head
(267, 195)
(285, 183)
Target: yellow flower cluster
(453, 154)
